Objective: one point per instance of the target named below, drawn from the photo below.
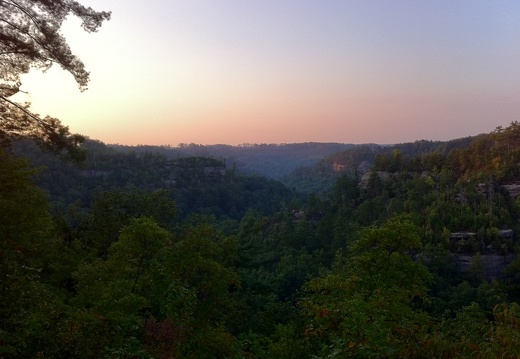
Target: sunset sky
(274, 71)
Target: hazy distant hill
(319, 177)
(197, 184)
(309, 167)
(270, 160)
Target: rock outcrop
(491, 265)
(512, 188)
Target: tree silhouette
(30, 38)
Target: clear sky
(279, 71)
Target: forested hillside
(358, 160)
(202, 185)
(136, 255)
(269, 160)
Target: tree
(113, 210)
(114, 295)
(24, 218)
(30, 38)
(139, 243)
(28, 305)
(365, 306)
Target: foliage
(24, 227)
(30, 37)
(393, 264)
(364, 306)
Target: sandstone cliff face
(513, 189)
(491, 265)
(95, 173)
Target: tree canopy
(30, 37)
(138, 256)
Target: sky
(165, 72)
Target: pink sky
(235, 72)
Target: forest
(265, 251)
(412, 252)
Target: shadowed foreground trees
(364, 306)
(25, 224)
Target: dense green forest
(135, 255)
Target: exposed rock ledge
(492, 264)
(512, 188)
